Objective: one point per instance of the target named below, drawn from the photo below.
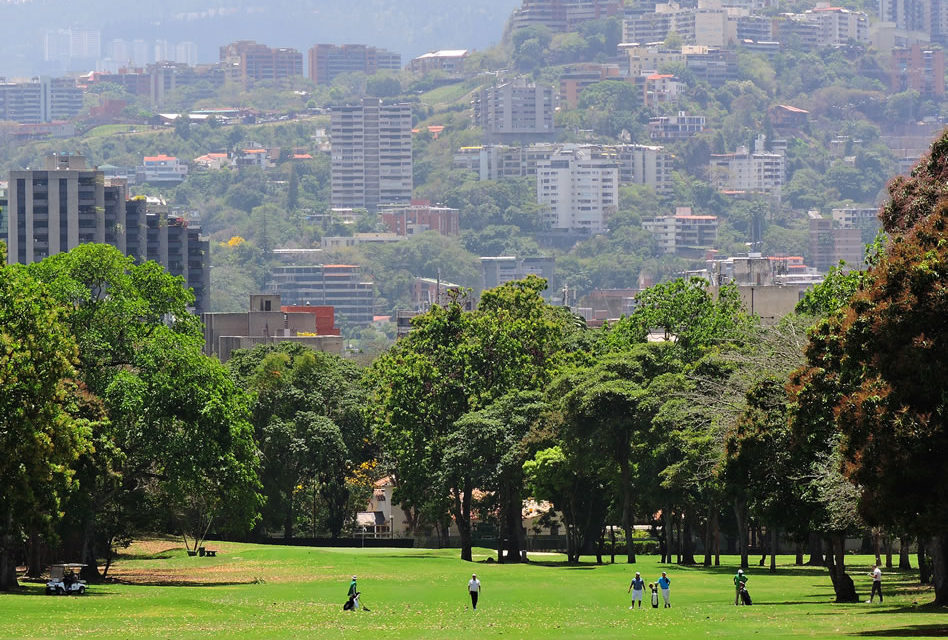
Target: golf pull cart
(64, 580)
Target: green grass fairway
(253, 591)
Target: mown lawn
(255, 591)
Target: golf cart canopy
(61, 569)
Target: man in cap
(474, 588)
(353, 594)
(739, 581)
(665, 585)
(637, 587)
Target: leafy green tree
(39, 437)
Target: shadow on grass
(181, 583)
(911, 631)
(165, 554)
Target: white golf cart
(64, 580)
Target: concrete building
(684, 233)
(561, 16)
(418, 217)
(580, 185)
(643, 164)
(677, 127)
(866, 219)
(268, 322)
(248, 62)
(921, 69)
(496, 270)
(40, 100)
(326, 61)
(157, 81)
(371, 154)
(661, 88)
(162, 169)
(153, 233)
(67, 204)
(758, 172)
(341, 242)
(829, 244)
(576, 79)
(447, 61)
(499, 162)
(838, 25)
(515, 111)
(340, 286)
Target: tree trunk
(887, 547)
(877, 547)
(905, 562)
(288, 518)
(798, 549)
(707, 540)
(741, 515)
(940, 569)
(627, 517)
(7, 561)
(836, 563)
(773, 549)
(687, 541)
(924, 573)
(667, 534)
(681, 538)
(600, 543)
(717, 539)
(763, 546)
(34, 566)
(815, 548)
(612, 544)
(462, 518)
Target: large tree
(39, 438)
(893, 344)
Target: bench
(210, 553)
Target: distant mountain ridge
(410, 27)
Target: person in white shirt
(474, 588)
(876, 574)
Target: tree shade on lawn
(251, 591)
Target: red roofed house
(660, 88)
(162, 169)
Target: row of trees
(685, 413)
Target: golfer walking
(354, 594)
(876, 574)
(474, 588)
(637, 587)
(665, 585)
(739, 581)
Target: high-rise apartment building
(581, 188)
(920, 69)
(759, 172)
(515, 111)
(683, 233)
(249, 62)
(371, 154)
(41, 100)
(67, 204)
(326, 61)
(338, 285)
(562, 15)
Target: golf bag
(655, 598)
(349, 604)
(745, 596)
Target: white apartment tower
(371, 154)
(581, 188)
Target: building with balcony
(760, 171)
(677, 127)
(684, 233)
(340, 286)
(561, 16)
(40, 100)
(248, 62)
(66, 204)
(420, 216)
(162, 169)
(449, 62)
(326, 61)
(515, 111)
(496, 270)
(580, 187)
(371, 154)
(921, 69)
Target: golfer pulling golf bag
(745, 596)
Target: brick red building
(418, 217)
